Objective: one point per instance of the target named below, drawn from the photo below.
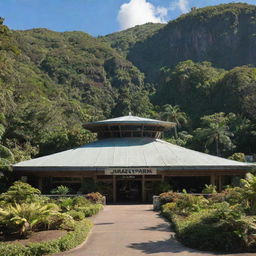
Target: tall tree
(174, 114)
(216, 132)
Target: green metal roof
(130, 152)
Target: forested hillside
(224, 35)
(197, 71)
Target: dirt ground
(40, 236)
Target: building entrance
(129, 190)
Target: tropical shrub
(190, 203)
(59, 220)
(238, 157)
(168, 197)
(209, 189)
(21, 192)
(90, 210)
(65, 203)
(76, 215)
(80, 201)
(231, 195)
(60, 190)
(225, 222)
(249, 188)
(95, 197)
(24, 218)
(168, 209)
(66, 242)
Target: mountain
(125, 40)
(224, 35)
(79, 61)
(201, 64)
(51, 83)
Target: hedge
(66, 242)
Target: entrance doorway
(129, 190)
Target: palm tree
(174, 114)
(216, 133)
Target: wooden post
(143, 189)
(213, 179)
(162, 178)
(220, 183)
(114, 189)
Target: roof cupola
(129, 126)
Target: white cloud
(182, 5)
(138, 12)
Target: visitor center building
(128, 163)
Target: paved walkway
(133, 230)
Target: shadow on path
(170, 245)
(160, 227)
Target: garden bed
(41, 236)
(68, 241)
(35, 225)
(224, 222)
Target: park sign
(130, 171)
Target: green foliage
(189, 203)
(209, 189)
(169, 197)
(24, 218)
(228, 42)
(238, 157)
(174, 114)
(80, 201)
(224, 235)
(168, 209)
(59, 220)
(90, 210)
(66, 203)
(249, 185)
(123, 41)
(51, 83)
(215, 133)
(54, 83)
(20, 192)
(66, 242)
(76, 215)
(23, 210)
(60, 190)
(225, 222)
(94, 197)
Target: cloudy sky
(96, 17)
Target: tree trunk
(217, 145)
(175, 132)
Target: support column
(220, 183)
(114, 189)
(213, 179)
(162, 178)
(143, 189)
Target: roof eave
(160, 168)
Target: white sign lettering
(130, 171)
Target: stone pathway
(133, 230)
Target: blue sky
(96, 17)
